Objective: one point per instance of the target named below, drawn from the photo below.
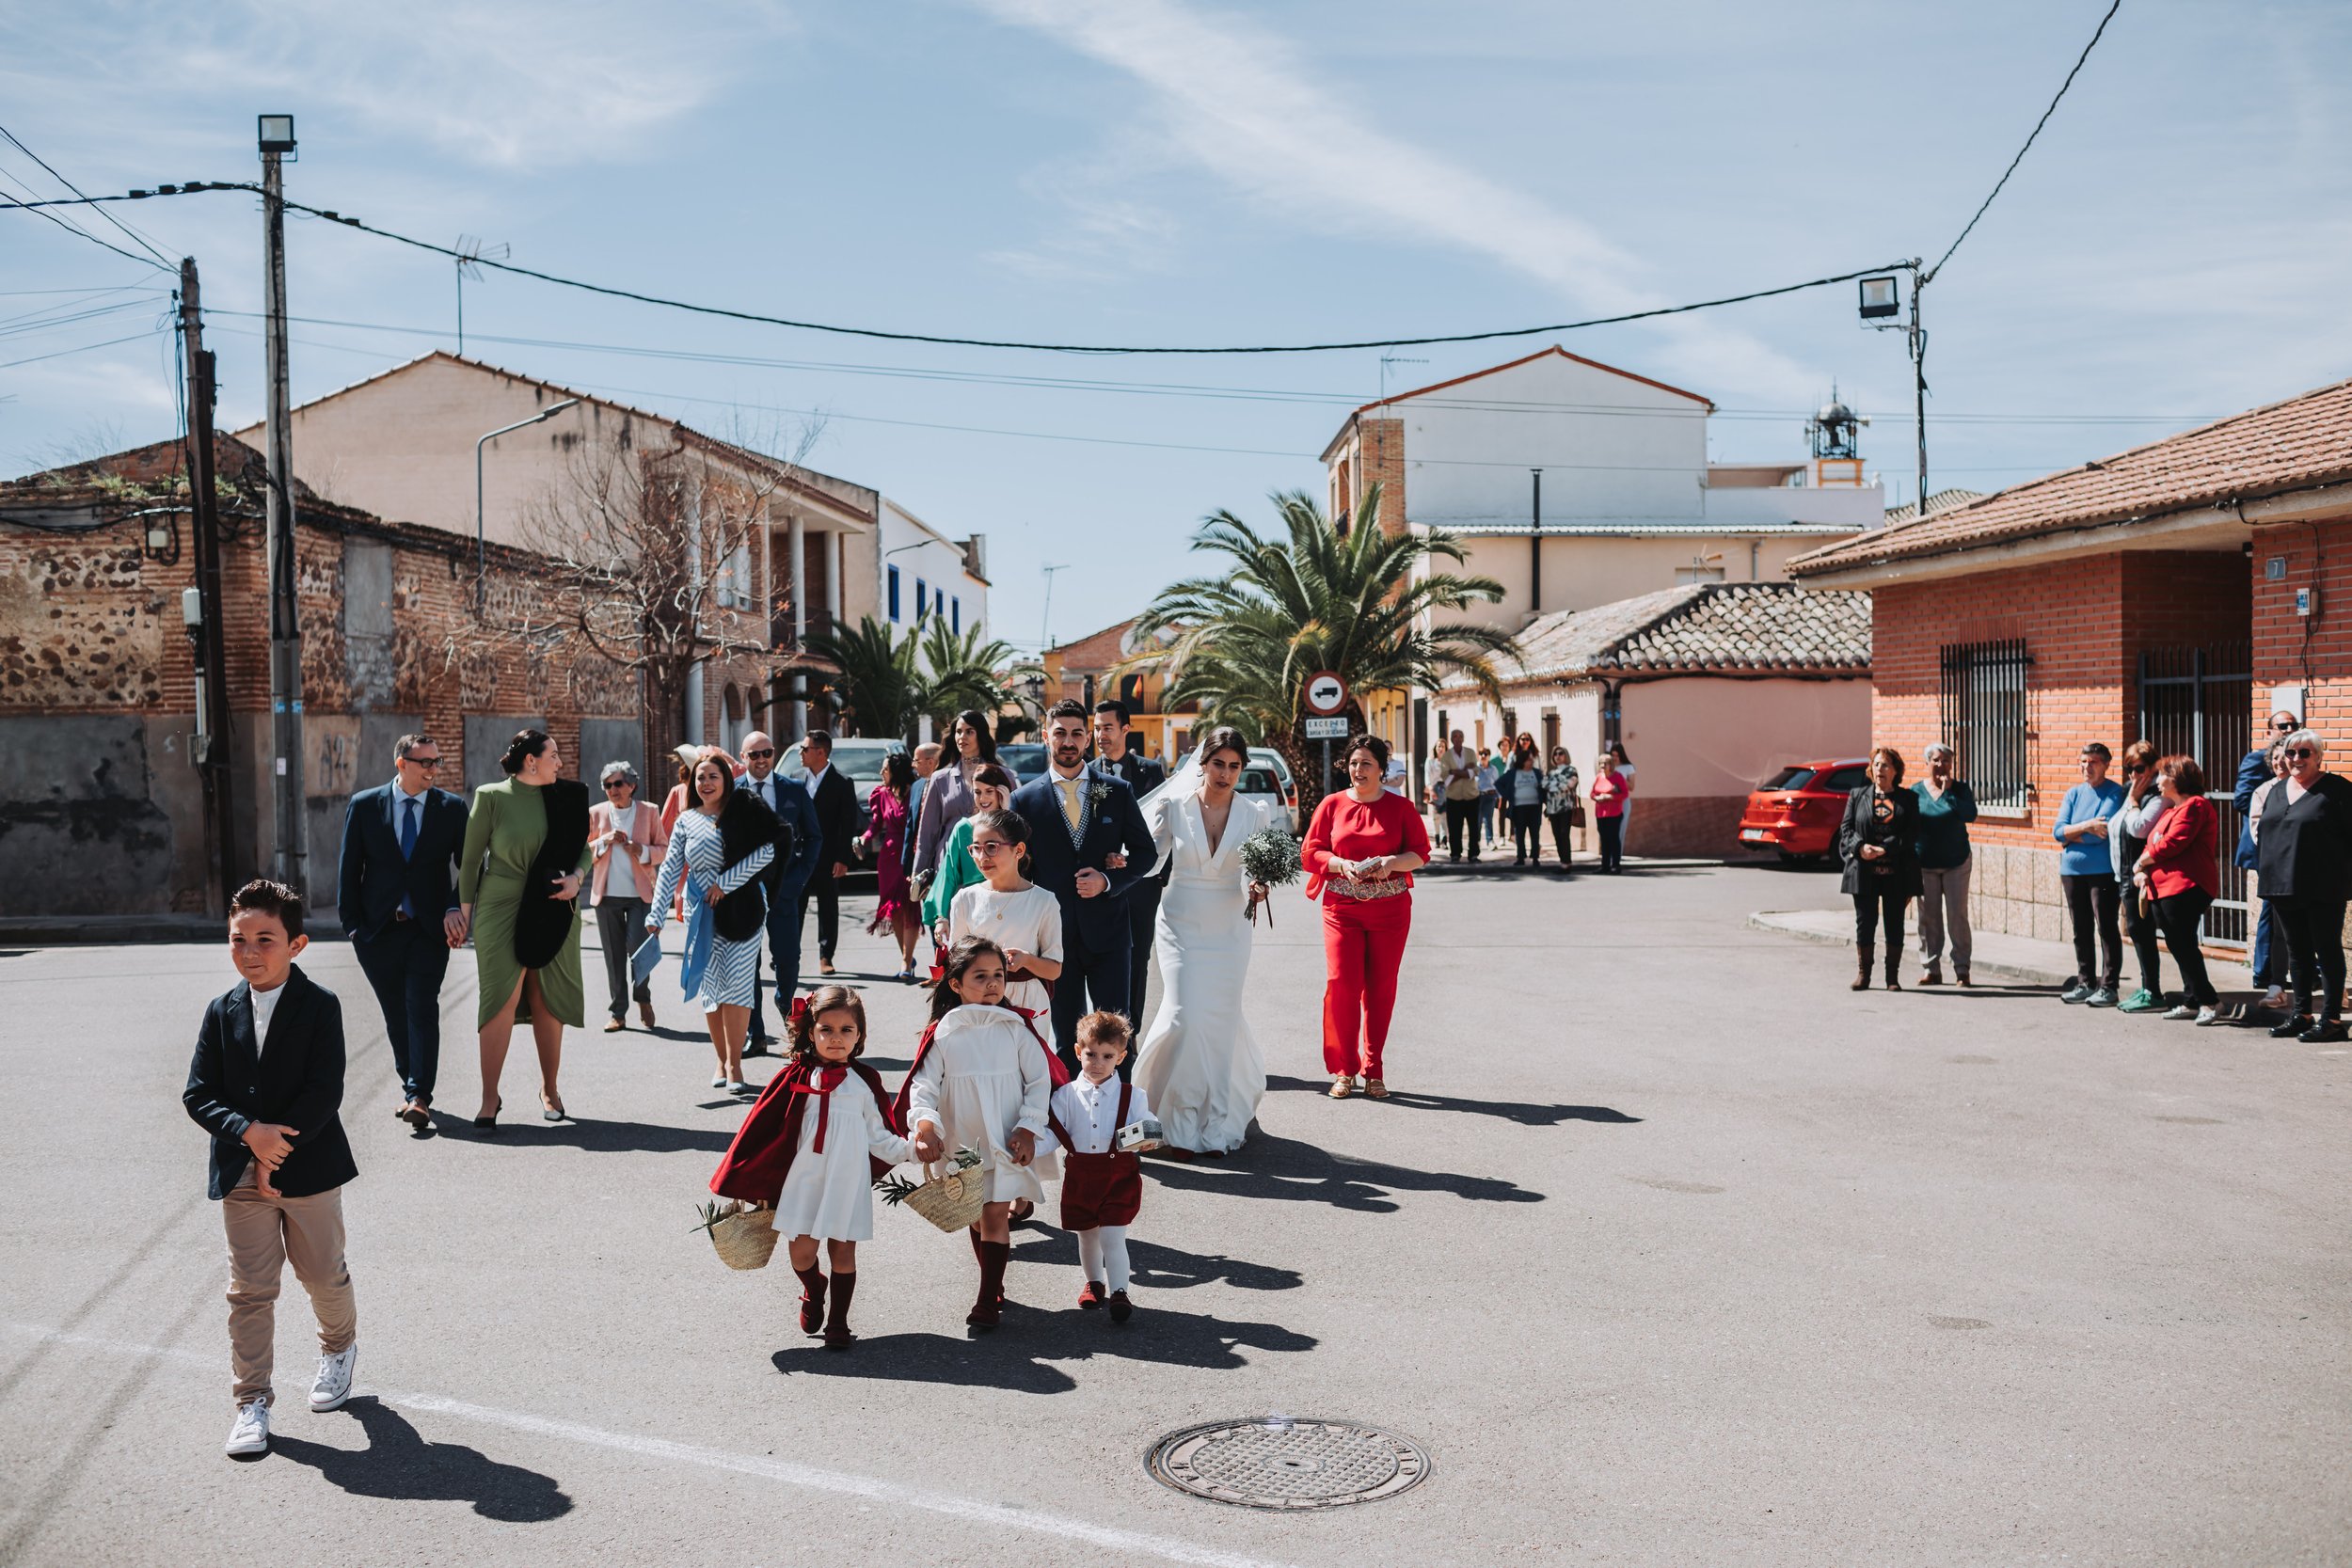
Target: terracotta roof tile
(1701, 628)
(2301, 442)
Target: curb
(1780, 923)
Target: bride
(1199, 1068)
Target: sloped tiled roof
(1942, 500)
(1702, 628)
(1096, 650)
(2301, 443)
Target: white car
(1260, 779)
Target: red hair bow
(800, 1009)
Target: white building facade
(919, 571)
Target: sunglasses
(749, 756)
(428, 764)
(2300, 752)
(618, 783)
(2286, 728)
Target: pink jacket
(644, 824)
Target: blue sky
(2177, 247)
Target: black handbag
(542, 925)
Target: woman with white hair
(2306, 867)
(1947, 806)
(626, 836)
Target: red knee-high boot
(812, 1298)
(837, 1335)
(987, 1310)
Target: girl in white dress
(981, 1080)
(1011, 910)
(821, 1132)
(1200, 1065)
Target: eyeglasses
(2284, 726)
(618, 783)
(2298, 752)
(428, 764)
(754, 756)
(983, 847)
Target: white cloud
(1234, 99)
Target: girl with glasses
(1009, 909)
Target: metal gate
(2201, 701)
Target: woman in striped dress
(721, 973)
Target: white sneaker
(2182, 1014)
(250, 1435)
(2207, 1018)
(334, 1381)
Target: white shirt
(264, 1005)
(1088, 1111)
(815, 776)
(765, 790)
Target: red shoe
(812, 1299)
(1092, 1297)
(1121, 1309)
(984, 1316)
(839, 1338)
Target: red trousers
(1363, 943)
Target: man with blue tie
(790, 800)
(398, 898)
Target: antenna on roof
(1387, 360)
(470, 250)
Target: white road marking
(840, 1482)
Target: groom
(1078, 819)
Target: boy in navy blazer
(1089, 845)
(265, 1083)
(399, 906)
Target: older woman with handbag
(1878, 840)
(625, 835)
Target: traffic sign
(1325, 694)
(1326, 729)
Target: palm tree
(963, 670)
(1242, 645)
(875, 688)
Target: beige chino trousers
(266, 1233)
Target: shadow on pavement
(1526, 1116)
(593, 1137)
(1157, 1267)
(398, 1463)
(1017, 1356)
(1289, 1168)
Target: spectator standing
(1489, 796)
(1562, 808)
(1458, 782)
(1625, 768)
(2181, 873)
(2087, 868)
(2144, 805)
(1612, 792)
(2271, 963)
(1947, 806)
(2306, 869)
(625, 836)
(2254, 771)
(1878, 841)
(1523, 790)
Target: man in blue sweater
(2086, 867)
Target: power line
(2112, 9)
(38, 209)
(161, 260)
(62, 353)
(889, 335)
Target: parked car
(1259, 779)
(1024, 759)
(1795, 812)
(1286, 790)
(858, 761)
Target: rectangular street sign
(1326, 729)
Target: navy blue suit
(392, 907)
(1096, 938)
(788, 798)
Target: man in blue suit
(1080, 819)
(398, 898)
(788, 798)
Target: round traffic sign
(1325, 694)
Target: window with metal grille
(1984, 718)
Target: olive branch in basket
(897, 1189)
(713, 1212)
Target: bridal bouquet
(1269, 856)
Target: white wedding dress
(1200, 1065)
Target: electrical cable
(38, 209)
(136, 337)
(161, 260)
(1929, 275)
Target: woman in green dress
(511, 824)
(992, 786)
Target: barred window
(1984, 718)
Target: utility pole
(1535, 546)
(215, 742)
(1045, 631)
(1919, 384)
(292, 835)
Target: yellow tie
(1069, 801)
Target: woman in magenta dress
(1362, 851)
(887, 823)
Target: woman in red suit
(1362, 851)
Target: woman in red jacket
(1362, 851)
(2179, 872)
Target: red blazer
(2181, 852)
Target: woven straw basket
(951, 1200)
(745, 1238)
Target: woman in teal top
(992, 786)
(2087, 870)
(504, 835)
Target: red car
(1796, 810)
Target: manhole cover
(1283, 1461)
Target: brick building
(101, 803)
(1088, 669)
(2154, 592)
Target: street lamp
(1881, 297)
(480, 543)
(276, 134)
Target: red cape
(761, 1156)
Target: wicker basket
(745, 1238)
(950, 1199)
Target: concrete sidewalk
(2006, 958)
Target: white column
(799, 624)
(833, 579)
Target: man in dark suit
(1142, 774)
(784, 876)
(398, 899)
(1078, 820)
(835, 801)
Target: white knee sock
(1090, 1254)
(1112, 1239)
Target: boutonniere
(1099, 792)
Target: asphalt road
(1670, 1251)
